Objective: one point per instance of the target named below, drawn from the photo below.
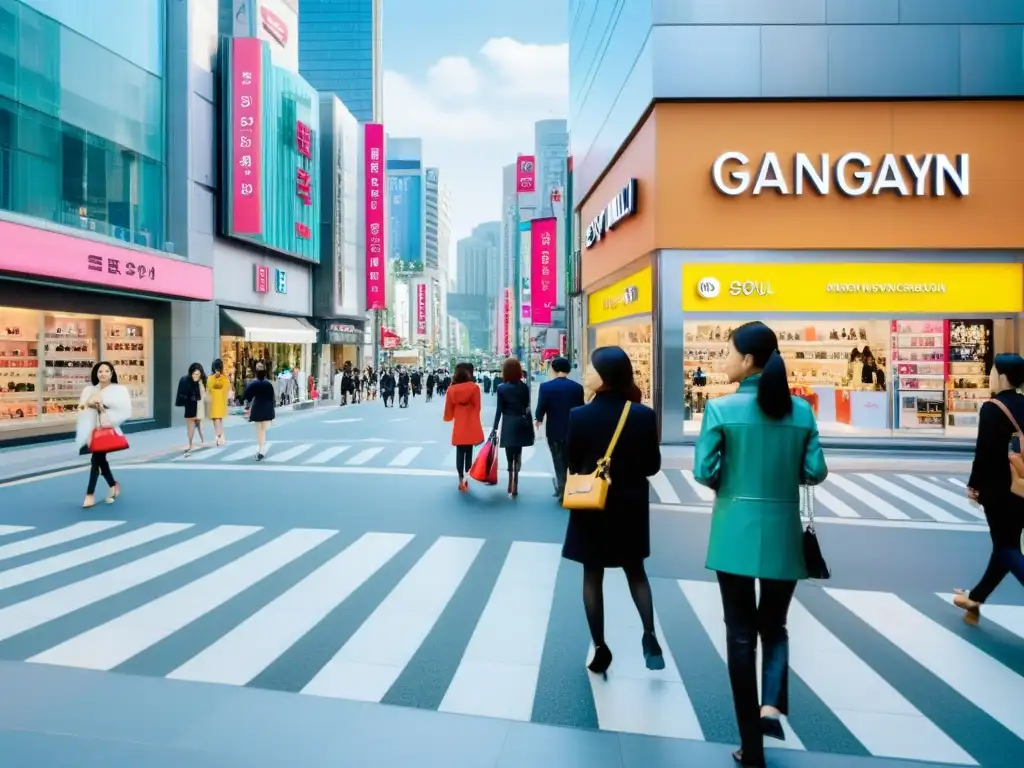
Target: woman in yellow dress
(218, 387)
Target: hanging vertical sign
(421, 309)
(246, 136)
(526, 174)
(373, 184)
(506, 322)
(543, 257)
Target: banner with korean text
(246, 136)
(373, 183)
(506, 323)
(421, 309)
(526, 174)
(543, 258)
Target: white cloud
(475, 116)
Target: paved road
(346, 566)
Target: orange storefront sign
(894, 175)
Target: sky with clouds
(471, 79)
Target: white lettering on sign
(885, 288)
(622, 207)
(854, 174)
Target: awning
(270, 329)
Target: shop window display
(126, 345)
(240, 358)
(637, 340)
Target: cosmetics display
(126, 345)
(637, 341)
(19, 366)
(970, 361)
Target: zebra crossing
(495, 628)
(871, 496)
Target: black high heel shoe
(772, 728)
(601, 661)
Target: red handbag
(485, 467)
(107, 440)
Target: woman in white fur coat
(105, 403)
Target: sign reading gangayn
(853, 174)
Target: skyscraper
(431, 215)
(551, 146)
(479, 261)
(340, 52)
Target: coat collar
(750, 383)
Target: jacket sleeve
(117, 405)
(249, 392)
(652, 452)
(574, 444)
(579, 397)
(815, 469)
(707, 453)
(182, 396)
(541, 405)
(992, 446)
(497, 410)
(449, 407)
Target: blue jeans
(1004, 560)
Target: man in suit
(556, 398)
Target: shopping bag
(107, 440)
(485, 466)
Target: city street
(347, 567)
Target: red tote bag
(485, 466)
(107, 440)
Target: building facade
(717, 189)
(407, 242)
(340, 52)
(90, 267)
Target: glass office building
(339, 51)
(79, 149)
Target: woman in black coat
(513, 412)
(990, 483)
(191, 387)
(619, 536)
(260, 393)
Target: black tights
(593, 598)
(99, 466)
(463, 459)
(514, 459)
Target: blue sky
(471, 78)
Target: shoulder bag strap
(618, 433)
(1016, 427)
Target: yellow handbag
(590, 492)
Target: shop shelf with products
(920, 354)
(970, 345)
(19, 367)
(127, 346)
(70, 350)
(637, 341)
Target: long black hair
(197, 367)
(1008, 364)
(95, 378)
(760, 342)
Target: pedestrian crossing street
(496, 628)
(856, 495)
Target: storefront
(887, 257)
(67, 303)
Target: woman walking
(218, 386)
(462, 407)
(756, 448)
(513, 413)
(998, 423)
(619, 536)
(260, 393)
(104, 403)
(191, 389)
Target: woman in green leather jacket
(756, 448)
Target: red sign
(261, 279)
(304, 139)
(526, 173)
(373, 178)
(421, 309)
(543, 258)
(246, 136)
(275, 27)
(41, 253)
(303, 231)
(389, 339)
(304, 186)
(506, 312)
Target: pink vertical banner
(373, 183)
(543, 257)
(526, 174)
(246, 136)
(421, 309)
(506, 321)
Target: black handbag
(817, 568)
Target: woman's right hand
(972, 494)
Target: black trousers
(463, 459)
(99, 466)
(557, 448)
(748, 617)
(1004, 561)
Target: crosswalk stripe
(449, 459)
(876, 503)
(202, 453)
(528, 453)
(957, 500)
(327, 454)
(957, 482)
(7, 530)
(623, 698)
(248, 649)
(504, 653)
(705, 599)
(834, 504)
(65, 561)
(664, 490)
(363, 456)
(36, 611)
(703, 492)
(53, 538)
(1009, 617)
(108, 645)
(933, 511)
(895, 728)
(373, 658)
(288, 455)
(405, 457)
(983, 681)
(245, 453)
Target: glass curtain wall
(81, 127)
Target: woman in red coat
(462, 406)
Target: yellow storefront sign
(627, 297)
(888, 289)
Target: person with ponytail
(756, 448)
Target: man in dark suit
(556, 398)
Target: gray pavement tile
(530, 746)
